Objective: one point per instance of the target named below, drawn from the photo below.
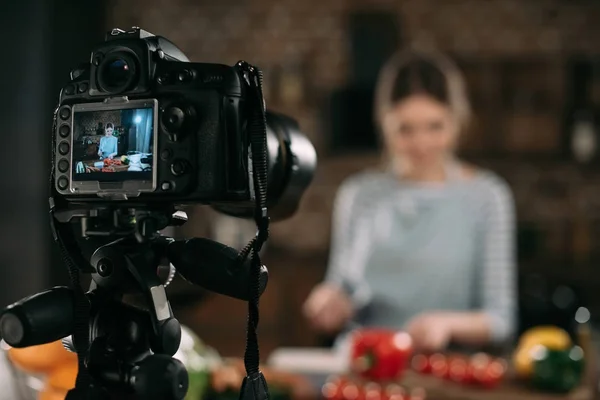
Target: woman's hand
(328, 308)
(431, 331)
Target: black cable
(258, 145)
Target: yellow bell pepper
(551, 337)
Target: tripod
(132, 331)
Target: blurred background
(533, 73)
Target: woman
(428, 245)
(108, 143)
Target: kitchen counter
(318, 365)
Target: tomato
(493, 374)
(380, 354)
(351, 391)
(439, 365)
(373, 391)
(420, 363)
(458, 370)
(332, 389)
(395, 392)
(477, 367)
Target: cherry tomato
(395, 392)
(373, 391)
(332, 389)
(493, 374)
(439, 365)
(380, 354)
(458, 370)
(351, 391)
(420, 363)
(477, 366)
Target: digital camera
(141, 124)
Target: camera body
(140, 123)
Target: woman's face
(108, 131)
(420, 131)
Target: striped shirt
(400, 248)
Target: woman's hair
(110, 125)
(414, 72)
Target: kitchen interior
(533, 76)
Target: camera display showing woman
(108, 147)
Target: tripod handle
(159, 377)
(38, 319)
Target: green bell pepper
(557, 371)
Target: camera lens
(291, 161)
(116, 73)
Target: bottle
(584, 137)
(581, 129)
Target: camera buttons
(165, 186)
(64, 130)
(63, 166)
(69, 90)
(64, 148)
(178, 168)
(166, 154)
(185, 75)
(63, 183)
(82, 88)
(64, 113)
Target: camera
(140, 124)
(140, 131)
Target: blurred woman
(108, 143)
(427, 245)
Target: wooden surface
(438, 389)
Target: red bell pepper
(380, 354)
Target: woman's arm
(348, 249)
(331, 304)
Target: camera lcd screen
(112, 145)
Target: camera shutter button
(179, 167)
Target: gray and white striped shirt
(401, 249)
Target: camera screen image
(113, 145)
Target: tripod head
(132, 331)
